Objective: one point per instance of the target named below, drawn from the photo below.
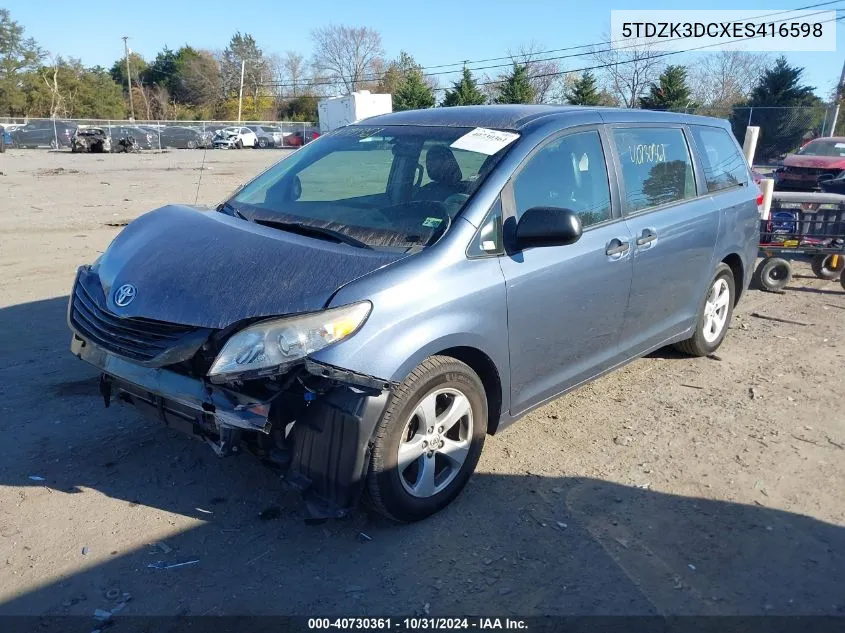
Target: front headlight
(280, 343)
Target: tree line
(194, 84)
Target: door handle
(646, 237)
(617, 247)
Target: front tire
(428, 441)
(714, 316)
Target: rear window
(724, 165)
(656, 166)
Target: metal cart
(802, 225)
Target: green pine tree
(516, 88)
(584, 91)
(464, 92)
(791, 110)
(670, 93)
(413, 93)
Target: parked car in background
(45, 133)
(235, 138)
(819, 159)
(834, 185)
(267, 136)
(390, 295)
(181, 137)
(298, 139)
(89, 139)
(144, 138)
(6, 139)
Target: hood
(208, 269)
(824, 162)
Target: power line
(655, 56)
(609, 42)
(315, 81)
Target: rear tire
(417, 418)
(714, 315)
(262, 143)
(191, 144)
(824, 268)
(773, 274)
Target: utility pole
(128, 77)
(241, 93)
(839, 87)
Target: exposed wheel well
(489, 375)
(735, 262)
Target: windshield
(825, 147)
(390, 186)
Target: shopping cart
(802, 225)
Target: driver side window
(568, 173)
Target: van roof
(520, 117)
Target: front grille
(134, 338)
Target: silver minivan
(363, 313)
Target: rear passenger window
(569, 173)
(724, 165)
(656, 166)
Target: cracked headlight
(276, 345)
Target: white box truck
(336, 112)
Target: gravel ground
(673, 486)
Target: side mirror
(547, 226)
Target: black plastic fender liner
(331, 449)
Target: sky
(434, 31)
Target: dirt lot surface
(673, 486)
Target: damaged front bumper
(322, 444)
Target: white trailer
(336, 112)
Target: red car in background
(819, 160)
(298, 139)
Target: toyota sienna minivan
(363, 313)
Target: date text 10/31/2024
(417, 624)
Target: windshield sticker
(484, 141)
(432, 223)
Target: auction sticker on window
(485, 141)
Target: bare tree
(50, 75)
(349, 55)
(293, 71)
(627, 72)
(720, 80)
(546, 75)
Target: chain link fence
(158, 135)
(782, 130)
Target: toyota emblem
(124, 295)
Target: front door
(566, 304)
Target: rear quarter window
(724, 165)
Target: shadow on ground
(512, 544)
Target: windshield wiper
(314, 231)
(229, 209)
